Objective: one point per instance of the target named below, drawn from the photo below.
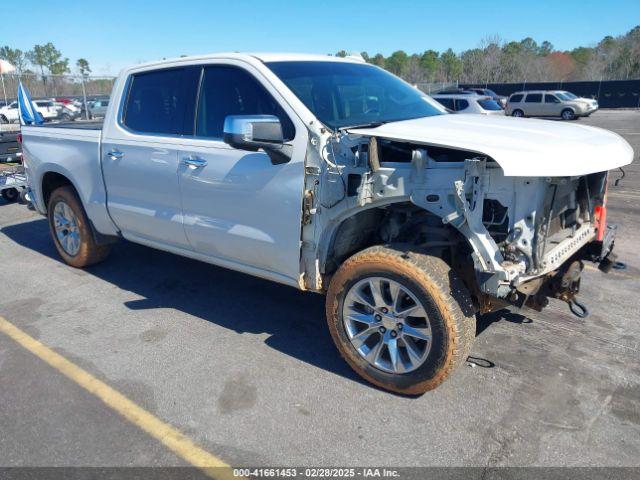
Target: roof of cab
(305, 57)
(263, 57)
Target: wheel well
(51, 181)
(396, 223)
(407, 225)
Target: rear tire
(517, 113)
(10, 194)
(71, 231)
(421, 283)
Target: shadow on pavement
(295, 320)
(484, 321)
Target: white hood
(522, 147)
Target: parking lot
(246, 369)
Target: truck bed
(70, 149)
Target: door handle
(115, 154)
(195, 162)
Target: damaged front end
(525, 238)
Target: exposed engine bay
(515, 240)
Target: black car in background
(9, 147)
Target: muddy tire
(71, 230)
(383, 285)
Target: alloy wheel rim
(387, 325)
(65, 224)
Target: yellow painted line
(177, 442)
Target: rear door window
(158, 101)
(228, 90)
(445, 102)
(534, 98)
(461, 104)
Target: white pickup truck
(335, 176)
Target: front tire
(71, 230)
(402, 320)
(568, 114)
(517, 113)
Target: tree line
(498, 61)
(43, 71)
(46, 59)
(493, 61)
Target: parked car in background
(98, 108)
(67, 112)
(10, 150)
(463, 103)
(46, 108)
(553, 103)
(9, 113)
(500, 99)
(454, 91)
(570, 96)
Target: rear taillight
(19, 138)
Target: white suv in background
(46, 108)
(465, 103)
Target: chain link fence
(56, 86)
(435, 87)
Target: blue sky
(115, 33)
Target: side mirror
(254, 132)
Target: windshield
(489, 105)
(352, 94)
